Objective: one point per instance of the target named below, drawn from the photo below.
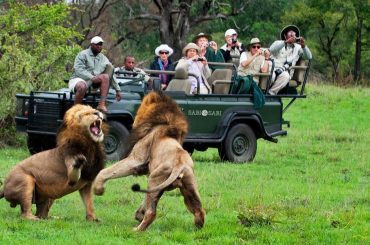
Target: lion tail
(176, 173)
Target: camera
(278, 71)
(211, 43)
(297, 39)
(285, 67)
(200, 59)
(234, 40)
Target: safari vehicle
(225, 119)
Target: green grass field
(311, 188)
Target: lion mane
(158, 109)
(71, 166)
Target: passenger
(162, 62)
(208, 49)
(197, 65)
(129, 65)
(232, 47)
(88, 71)
(286, 53)
(255, 60)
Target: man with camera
(232, 47)
(286, 53)
(255, 60)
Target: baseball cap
(96, 40)
(230, 32)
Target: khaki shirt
(87, 65)
(253, 67)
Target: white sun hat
(163, 47)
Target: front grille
(45, 115)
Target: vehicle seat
(220, 81)
(299, 73)
(181, 81)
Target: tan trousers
(281, 81)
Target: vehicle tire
(115, 147)
(240, 144)
(37, 143)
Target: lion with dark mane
(156, 150)
(71, 166)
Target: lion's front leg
(122, 168)
(74, 166)
(86, 197)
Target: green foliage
(312, 187)
(37, 43)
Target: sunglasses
(163, 52)
(257, 47)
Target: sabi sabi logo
(204, 113)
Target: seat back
(220, 81)
(181, 80)
(299, 72)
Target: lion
(157, 135)
(71, 166)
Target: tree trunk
(357, 67)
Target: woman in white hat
(197, 65)
(162, 62)
(255, 60)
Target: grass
(310, 188)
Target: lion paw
(99, 191)
(92, 218)
(79, 161)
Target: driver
(129, 65)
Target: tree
(174, 19)
(36, 43)
(362, 11)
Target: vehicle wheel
(37, 143)
(240, 144)
(115, 147)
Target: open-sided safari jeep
(226, 120)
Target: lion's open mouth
(95, 128)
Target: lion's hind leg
(20, 190)
(150, 207)
(43, 207)
(192, 198)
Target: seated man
(88, 70)
(286, 53)
(232, 46)
(255, 60)
(129, 65)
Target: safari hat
(289, 28)
(190, 46)
(209, 37)
(230, 32)
(163, 47)
(254, 41)
(96, 40)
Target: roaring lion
(71, 166)
(158, 132)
